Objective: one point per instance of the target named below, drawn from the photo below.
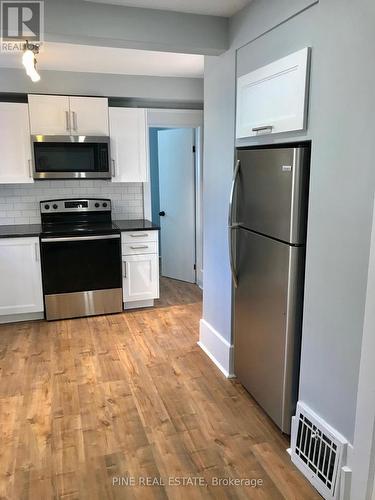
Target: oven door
(71, 157)
(81, 275)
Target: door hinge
(193, 149)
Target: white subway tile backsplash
(19, 204)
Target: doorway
(173, 179)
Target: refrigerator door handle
(231, 256)
(233, 225)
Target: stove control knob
(55, 206)
(46, 207)
(105, 205)
(97, 205)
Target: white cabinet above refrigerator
(273, 98)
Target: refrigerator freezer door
(272, 192)
(267, 322)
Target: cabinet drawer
(139, 237)
(139, 247)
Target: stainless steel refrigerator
(267, 235)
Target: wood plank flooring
(88, 405)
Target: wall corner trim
(217, 348)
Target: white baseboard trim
(137, 304)
(217, 348)
(16, 318)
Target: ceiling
(84, 58)
(223, 8)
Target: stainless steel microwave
(71, 157)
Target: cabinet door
(20, 271)
(49, 114)
(15, 145)
(128, 131)
(140, 277)
(89, 115)
(273, 99)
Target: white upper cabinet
(89, 115)
(273, 99)
(64, 115)
(21, 277)
(15, 146)
(128, 131)
(49, 115)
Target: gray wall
(217, 172)
(67, 82)
(342, 181)
(77, 21)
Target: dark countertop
(32, 230)
(136, 225)
(20, 231)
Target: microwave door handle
(231, 224)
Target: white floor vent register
(318, 451)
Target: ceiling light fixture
(29, 60)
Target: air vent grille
(317, 451)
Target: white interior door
(177, 200)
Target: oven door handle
(81, 238)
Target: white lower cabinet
(20, 276)
(140, 272)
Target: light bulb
(34, 75)
(28, 60)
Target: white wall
(342, 182)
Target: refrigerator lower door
(267, 322)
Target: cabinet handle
(113, 168)
(75, 121)
(30, 169)
(260, 129)
(36, 247)
(139, 247)
(124, 268)
(139, 235)
(67, 119)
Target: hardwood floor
(89, 403)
